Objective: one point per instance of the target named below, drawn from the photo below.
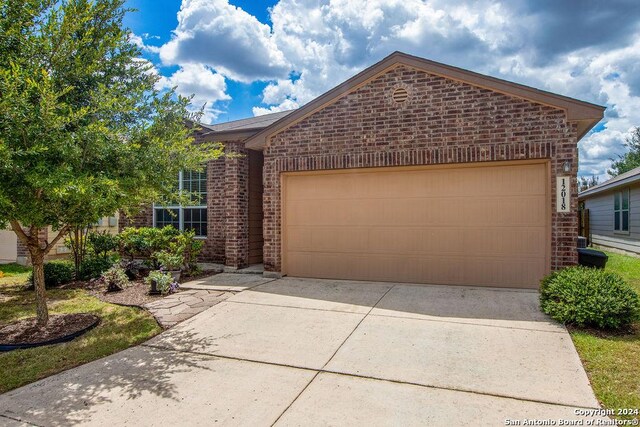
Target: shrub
(92, 267)
(144, 242)
(168, 260)
(115, 278)
(164, 281)
(186, 245)
(56, 273)
(149, 243)
(589, 297)
(101, 244)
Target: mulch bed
(60, 326)
(135, 295)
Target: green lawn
(119, 328)
(613, 361)
(13, 274)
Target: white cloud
(139, 41)
(206, 86)
(285, 105)
(225, 37)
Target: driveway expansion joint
(299, 308)
(332, 356)
(18, 420)
(468, 323)
(366, 377)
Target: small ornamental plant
(115, 278)
(168, 260)
(161, 282)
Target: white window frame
(618, 212)
(181, 208)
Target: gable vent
(400, 95)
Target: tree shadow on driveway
(72, 396)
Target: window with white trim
(186, 217)
(621, 211)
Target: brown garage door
(486, 226)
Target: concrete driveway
(322, 352)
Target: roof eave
(231, 135)
(604, 187)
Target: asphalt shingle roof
(625, 178)
(258, 122)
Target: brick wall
(236, 185)
(443, 121)
(213, 249)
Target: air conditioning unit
(582, 242)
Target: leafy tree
(631, 159)
(83, 131)
(586, 183)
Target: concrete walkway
(321, 352)
(181, 306)
(199, 295)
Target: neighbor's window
(621, 210)
(192, 216)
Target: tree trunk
(38, 250)
(37, 260)
(42, 311)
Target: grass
(13, 274)
(119, 328)
(611, 360)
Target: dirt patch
(609, 333)
(26, 331)
(136, 294)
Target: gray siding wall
(601, 220)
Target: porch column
(236, 205)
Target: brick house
(410, 171)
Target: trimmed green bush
(144, 242)
(151, 244)
(92, 267)
(589, 297)
(101, 244)
(56, 273)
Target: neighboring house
(59, 250)
(410, 171)
(614, 212)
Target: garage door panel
(476, 225)
(515, 211)
(506, 241)
(317, 264)
(494, 272)
(340, 239)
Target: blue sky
(245, 58)
(157, 19)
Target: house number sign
(563, 202)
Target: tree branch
(17, 228)
(61, 233)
